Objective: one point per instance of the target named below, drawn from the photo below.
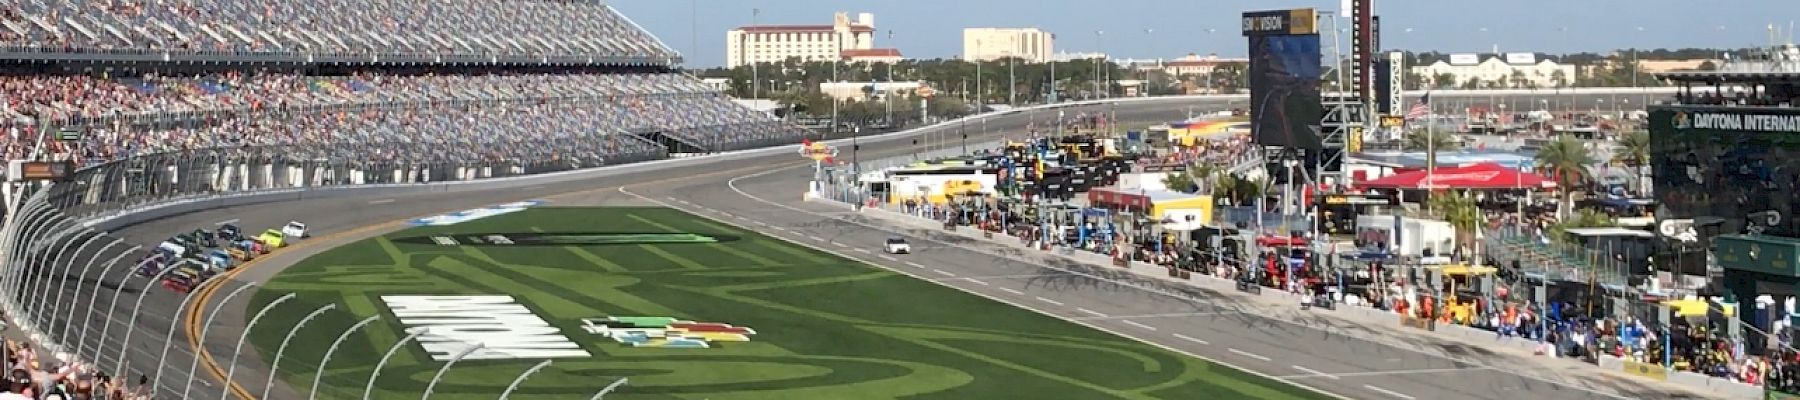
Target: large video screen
(1284, 91)
(1725, 171)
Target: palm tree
(1458, 209)
(1634, 152)
(1427, 140)
(1567, 160)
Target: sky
(1172, 28)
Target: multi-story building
(1195, 65)
(776, 43)
(987, 44)
(1513, 69)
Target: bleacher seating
(395, 28)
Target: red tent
(1478, 176)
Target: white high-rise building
(775, 43)
(1030, 44)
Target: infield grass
(825, 327)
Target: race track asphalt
(1345, 366)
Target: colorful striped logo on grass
(665, 332)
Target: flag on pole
(1421, 110)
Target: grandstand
(158, 101)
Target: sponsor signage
(1360, 199)
(505, 328)
(1302, 21)
(1647, 370)
(20, 170)
(475, 214)
(665, 332)
(1773, 255)
(561, 239)
(1393, 121)
(817, 151)
(1786, 122)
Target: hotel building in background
(987, 44)
(841, 39)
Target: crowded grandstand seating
(130, 116)
(434, 28)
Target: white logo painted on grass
(508, 329)
(475, 214)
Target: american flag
(1421, 110)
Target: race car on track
(204, 238)
(221, 259)
(272, 238)
(253, 246)
(229, 232)
(294, 229)
(897, 245)
(240, 253)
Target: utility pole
(888, 95)
(755, 76)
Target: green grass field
(825, 327)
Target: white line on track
(1201, 314)
(978, 282)
(781, 229)
(684, 202)
(1090, 312)
(1134, 323)
(727, 214)
(1400, 372)
(759, 223)
(1191, 339)
(1049, 301)
(815, 238)
(1314, 372)
(1248, 354)
(837, 244)
(1011, 290)
(1396, 395)
(382, 201)
(914, 264)
(889, 258)
(943, 272)
(864, 251)
(229, 221)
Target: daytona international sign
(1757, 120)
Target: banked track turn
(351, 217)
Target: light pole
(752, 37)
(887, 96)
(314, 393)
(204, 329)
(1098, 59)
(376, 373)
(274, 365)
(521, 379)
(225, 389)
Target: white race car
(294, 229)
(897, 245)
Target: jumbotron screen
(1722, 170)
(1284, 91)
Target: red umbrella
(1478, 176)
